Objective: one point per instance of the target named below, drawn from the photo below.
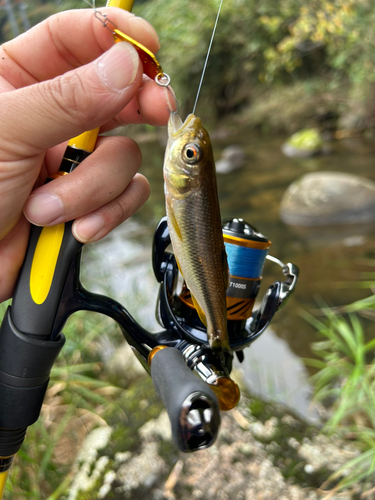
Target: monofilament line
(208, 55)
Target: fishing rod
(193, 381)
(28, 348)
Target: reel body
(175, 311)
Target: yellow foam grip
(44, 262)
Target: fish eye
(191, 153)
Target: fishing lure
(151, 66)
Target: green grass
(345, 383)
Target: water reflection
(272, 371)
(120, 266)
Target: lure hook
(175, 100)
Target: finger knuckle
(69, 96)
(121, 209)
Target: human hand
(63, 77)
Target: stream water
(330, 258)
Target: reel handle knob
(192, 406)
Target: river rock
(232, 158)
(303, 144)
(322, 198)
(123, 366)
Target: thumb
(40, 116)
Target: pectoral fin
(200, 312)
(173, 220)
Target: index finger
(65, 41)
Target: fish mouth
(176, 125)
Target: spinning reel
(193, 381)
(175, 311)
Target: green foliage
(345, 381)
(340, 30)
(237, 59)
(259, 44)
(36, 12)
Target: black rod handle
(191, 405)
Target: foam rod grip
(192, 406)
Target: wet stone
(303, 144)
(324, 198)
(232, 158)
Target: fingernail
(87, 228)
(118, 67)
(42, 209)
(149, 28)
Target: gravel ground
(263, 452)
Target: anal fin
(200, 312)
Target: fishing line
(208, 55)
(92, 5)
(245, 262)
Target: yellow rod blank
(87, 140)
(123, 4)
(3, 480)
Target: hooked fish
(194, 223)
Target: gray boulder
(322, 198)
(232, 158)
